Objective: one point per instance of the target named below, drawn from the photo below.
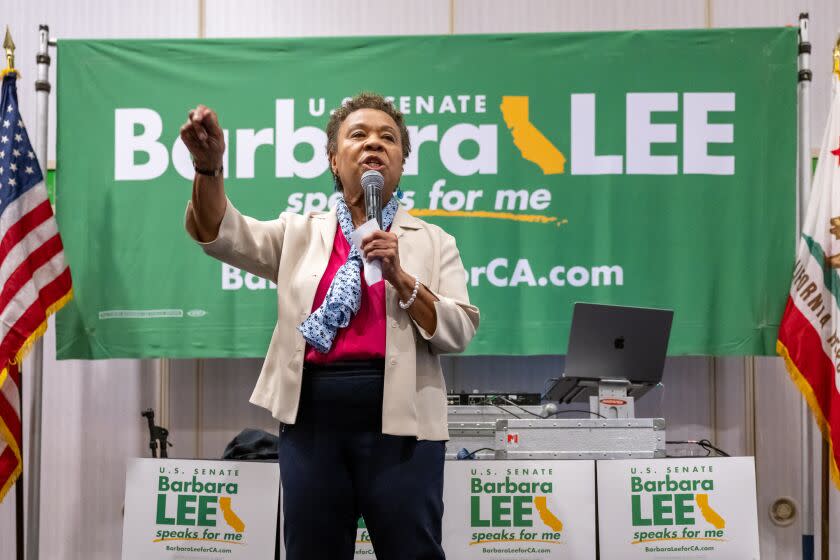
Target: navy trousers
(335, 465)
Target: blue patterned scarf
(344, 295)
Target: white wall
(91, 409)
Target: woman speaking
(352, 371)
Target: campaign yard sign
(186, 509)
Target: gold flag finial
(837, 57)
(9, 47)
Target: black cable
(470, 454)
(511, 403)
(706, 444)
(489, 401)
(703, 443)
(575, 410)
(685, 442)
(506, 410)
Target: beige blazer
(292, 251)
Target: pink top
(364, 337)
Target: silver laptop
(613, 342)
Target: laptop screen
(618, 342)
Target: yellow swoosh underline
(514, 540)
(203, 540)
(532, 218)
(680, 539)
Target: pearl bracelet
(407, 304)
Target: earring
(400, 194)
(336, 184)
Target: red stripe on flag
(805, 352)
(9, 470)
(804, 346)
(8, 464)
(23, 273)
(11, 418)
(34, 316)
(24, 226)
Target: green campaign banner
(651, 169)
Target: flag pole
(803, 191)
(36, 357)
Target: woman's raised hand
(204, 138)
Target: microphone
(372, 183)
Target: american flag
(34, 279)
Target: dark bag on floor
(252, 445)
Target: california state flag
(809, 338)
